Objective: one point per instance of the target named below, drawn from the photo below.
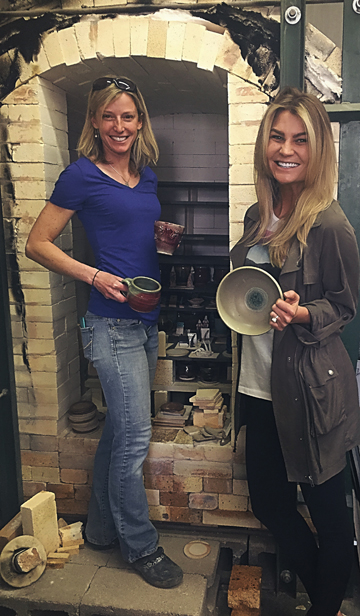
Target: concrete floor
(96, 583)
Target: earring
(96, 134)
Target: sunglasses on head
(123, 84)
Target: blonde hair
(144, 151)
(318, 190)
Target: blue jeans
(124, 353)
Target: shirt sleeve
(70, 189)
(339, 266)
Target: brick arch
(123, 36)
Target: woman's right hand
(110, 286)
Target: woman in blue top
(113, 192)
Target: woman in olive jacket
(298, 392)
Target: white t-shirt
(256, 352)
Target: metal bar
(292, 43)
(351, 52)
(349, 163)
(11, 495)
(343, 112)
(150, 8)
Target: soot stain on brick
(257, 37)
(10, 232)
(21, 38)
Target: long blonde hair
(144, 150)
(319, 181)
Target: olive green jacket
(313, 382)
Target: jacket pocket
(324, 392)
(87, 342)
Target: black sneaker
(159, 570)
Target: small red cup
(167, 236)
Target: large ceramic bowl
(244, 299)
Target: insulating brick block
(174, 499)
(105, 40)
(233, 502)
(33, 487)
(85, 32)
(189, 452)
(164, 374)
(194, 34)
(188, 484)
(39, 519)
(11, 530)
(156, 45)
(246, 611)
(175, 40)
(121, 29)
(241, 519)
(153, 497)
(209, 50)
(152, 466)
(139, 27)
(203, 501)
(161, 450)
(220, 486)
(159, 513)
(165, 483)
(185, 515)
(69, 46)
(199, 468)
(244, 587)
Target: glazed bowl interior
(244, 299)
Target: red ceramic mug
(167, 236)
(143, 294)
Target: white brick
(86, 34)
(53, 49)
(175, 40)
(105, 39)
(39, 519)
(194, 34)
(121, 29)
(233, 502)
(42, 61)
(245, 112)
(241, 154)
(241, 194)
(241, 174)
(139, 35)
(38, 426)
(228, 53)
(30, 190)
(209, 50)
(69, 46)
(156, 46)
(243, 134)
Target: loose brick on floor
(244, 587)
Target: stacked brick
(199, 485)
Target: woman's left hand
(287, 310)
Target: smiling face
(118, 124)
(288, 150)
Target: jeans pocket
(87, 341)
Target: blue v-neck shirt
(119, 224)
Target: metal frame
(292, 43)
(10, 463)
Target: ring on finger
(274, 319)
